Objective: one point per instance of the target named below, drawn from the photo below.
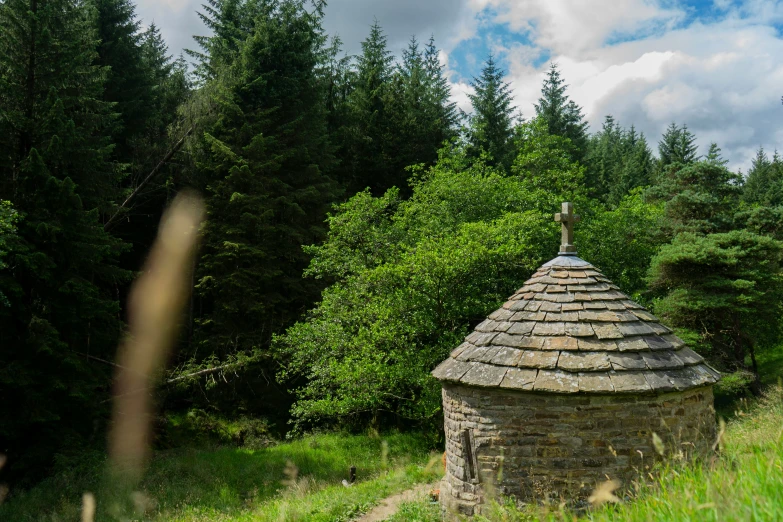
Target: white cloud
(574, 28)
(723, 79)
(460, 92)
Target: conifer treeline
(100, 126)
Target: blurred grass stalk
(155, 306)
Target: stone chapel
(563, 387)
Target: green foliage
(726, 288)
(413, 276)
(419, 510)
(128, 84)
(677, 145)
(545, 168)
(764, 183)
(385, 117)
(61, 277)
(421, 116)
(699, 197)
(762, 220)
(618, 161)
(197, 426)
(623, 241)
(563, 117)
(9, 219)
(367, 159)
(263, 161)
(490, 129)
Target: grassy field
(300, 480)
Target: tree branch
(107, 226)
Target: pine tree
(231, 23)
(56, 171)
(264, 160)
(368, 158)
(339, 78)
(447, 117)
(420, 116)
(726, 289)
(490, 125)
(677, 145)
(774, 195)
(699, 197)
(714, 155)
(605, 158)
(637, 166)
(153, 138)
(407, 140)
(563, 116)
(169, 78)
(757, 183)
(128, 84)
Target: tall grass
(230, 484)
(742, 482)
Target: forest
(359, 224)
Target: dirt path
(389, 505)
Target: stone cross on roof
(567, 218)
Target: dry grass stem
(604, 492)
(719, 439)
(155, 305)
(88, 507)
(658, 444)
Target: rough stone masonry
(563, 387)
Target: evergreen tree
(758, 181)
(420, 117)
(636, 169)
(128, 84)
(170, 82)
(447, 116)
(264, 160)
(490, 125)
(618, 161)
(699, 197)
(367, 158)
(605, 158)
(714, 155)
(775, 193)
(727, 290)
(407, 139)
(56, 171)
(231, 23)
(339, 79)
(677, 145)
(563, 116)
(152, 139)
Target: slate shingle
(569, 329)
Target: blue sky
(714, 65)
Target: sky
(707, 64)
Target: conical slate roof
(570, 330)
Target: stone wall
(556, 446)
